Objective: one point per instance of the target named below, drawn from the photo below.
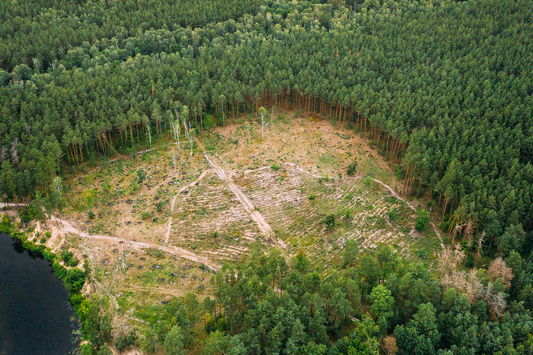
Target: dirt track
(174, 202)
(67, 227)
(263, 225)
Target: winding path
(69, 228)
(167, 236)
(411, 207)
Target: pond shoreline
(72, 279)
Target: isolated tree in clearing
(352, 168)
(262, 113)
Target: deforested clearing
(165, 236)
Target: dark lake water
(36, 317)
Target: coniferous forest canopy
(443, 88)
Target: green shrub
(141, 175)
(123, 341)
(159, 206)
(145, 215)
(421, 220)
(275, 167)
(73, 262)
(296, 114)
(43, 240)
(352, 168)
(69, 258)
(329, 221)
(25, 214)
(47, 234)
(91, 215)
(312, 197)
(348, 214)
(74, 280)
(400, 173)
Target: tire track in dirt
(411, 207)
(263, 225)
(69, 228)
(167, 236)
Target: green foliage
(232, 56)
(126, 340)
(174, 342)
(511, 240)
(362, 340)
(68, 130)
(275, 167)
(82, 308)
(190, 301)
(74, 279)
(220, 119)
(208, 122)
(47, 234)
(382, 307)
(105, 350)
(5, 223)
(350, 253)
(352, 168)
(148, 341)
(69, 258)
(216, 344)
(4, 78)
(43, 240)
(422, 218)
(279, 320)
(26, 214)
(92, 158)
(134, 186)
(87, 349)
(145, 215)
(159, 205)
(329, 220)
(420, 335)
(141, 176)
(348, 214)
(97, 327)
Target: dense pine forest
(442, 88)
